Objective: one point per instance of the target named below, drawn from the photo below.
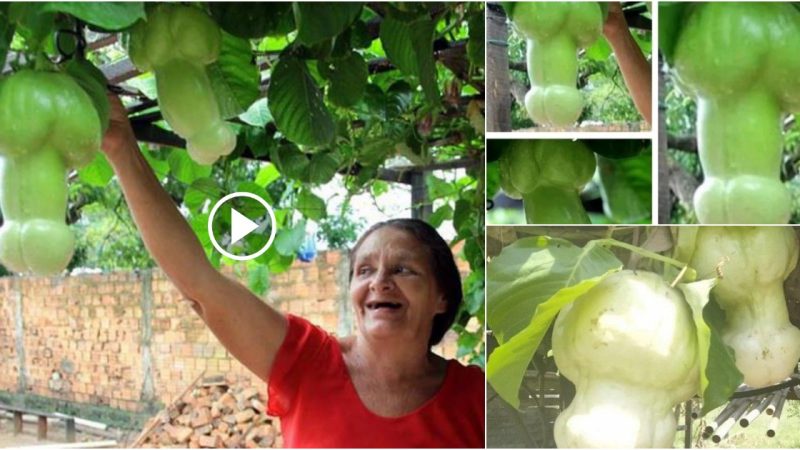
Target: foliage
(351, 89)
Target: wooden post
(17, 422)
(41, 428)
(498, 80)
(70, 426)
(421, 207)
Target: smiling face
(393, 289)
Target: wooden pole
(498, 80)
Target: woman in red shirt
(381, 387)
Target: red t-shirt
(311, 391)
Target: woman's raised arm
(249, 328)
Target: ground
(55, 434)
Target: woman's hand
(119, 136)
(632, 63)
(615, 21)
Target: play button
(249, 214)
(241, 226)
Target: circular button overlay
(236, 216)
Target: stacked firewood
(213, 413)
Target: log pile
(213, 413)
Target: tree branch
(682, 143)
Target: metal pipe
(726, 426)
(748, 418)
(726, 412)
(776, 416)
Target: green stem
(690, 273)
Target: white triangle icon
(241, 226)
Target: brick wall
(128, 340)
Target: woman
(381, 387)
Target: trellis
(452, 55)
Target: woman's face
(394, 291)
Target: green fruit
(548, 175)
(555, 31)
(48, 124)
(177, 43)
(740, 61)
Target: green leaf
(599, 51)
(291, 162)
(322, 167)
(97, 173)
(348, 79)
(467, 343)
(719, 376)
(111, 16)
(442, 213)
(146, 84)
(7, 27)
(508, 362)
(253, 20)
(160, 167)
(257, 114)
(723, 376)
(409, 45)
(92, 80)
(476, 44)
(234, 76)
(474, 298)
(626, 188)
(201, 190)
(530, 271)
(288, 240)
(297, 105)
(257, 277)
(267, 174)
(310, 206)
(319, 21)
(184, 169)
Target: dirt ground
(55, 435)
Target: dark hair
(443, 267)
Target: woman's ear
(441, 304)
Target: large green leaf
(409, 45)
(288, 240)
(348, 79)
(719, 376)
(251, 20)
(297, 105)
(310, 206)
(112, 16)
(318, 21)
(257, 277)
(530, 271)
(98, 172)
(184, 168)
(290, 161)
(234, 76)
(626, 188)
(200, 191)
(322, 167)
